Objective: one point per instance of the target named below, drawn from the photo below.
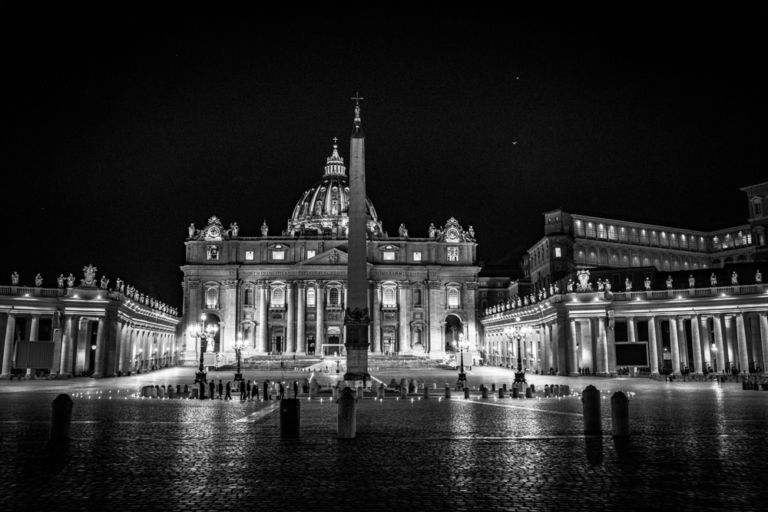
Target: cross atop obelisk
(357, 99)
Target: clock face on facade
(213, 232)
(452, 235)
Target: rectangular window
(558, 253)
(278, 255)
(453, 254)
(416, 256)
(389, 256)
(310, 253)
(213, 252)
(248, 255)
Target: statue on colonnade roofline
(471, 232)
(264, 228)
(192, 230)
(607, 285)
(758, 276)
(15, 278)
(627, 285)
(734, 278)
(600, 285)
(569, 286)
(60, 281)
(90, 276)
(713, 279)
(525, 300)
(70, 280)
(691, 281)
(234, 229)
(669, 282)
(519, 301)
(647, 283)
(38, 280)
(104, 282)
(402, 231)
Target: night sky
(120, 131)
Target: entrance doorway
(454, 332)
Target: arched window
(311, 297)
(333, 297)
(453, 298)
(212, 297)
(278, 297)
(388, 296)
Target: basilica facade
(285, 293)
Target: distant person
(281, 391)
(228, 395)
(255, 391)
(220, 389)
(212, 389)
(242, 390)
(266, 390)
(295, 389)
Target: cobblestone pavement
(693, 446)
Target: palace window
(248, 255)
(278, 255)
(416, 255)
(212, 253)
(248, 299)
(611, 232)
(417, 297)
(333, 297)
(601, 231)
(310, 297)
(278, 297)
(558, 252)
(579, 228)
(212, 297)
(453, 254)
(453, 297)
(310, 253)
(590, 230)
(388, 297)
(389, 256)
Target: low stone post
(313, 388)
(483, 391)
(590, 399)
(404, 391)
(447, 391)
(380, 391)
(289, 418)
(515, 392)
(466, 393)
(61, 418)
(529, 392)
(501, 392)
(346, 425)
(505, 386)
(426, 392)
(620, 414)
(493, 386)
(546, 390)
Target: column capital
(301, 284)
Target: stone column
(764, 340)
(535, 341)
(717, 326)
(262, 328)
(741, 336)
(683, 343)
(98, 365)
(319, 317)
(290, 319)
(631, 329)
(71, 330)
(697, 361)
(560, 345)
(601, 356)
(301, 337)
(404, 341)
(653, 345)
(575, 363)
(610, 342)
(674, 345)
(34, 329)
(122, 351)
(706, 341)
(10, 330)
(730, 342)
(376, 327)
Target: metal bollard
(529, 392)
(426, 392)
(590, 399)
(447, 391)
(620, 414)
(466, 392)
(505, 386)
(493, 387)
(515, 392)
(483, 391)
(289, 418)
(501, 392)
(61, 417)
(346, 424)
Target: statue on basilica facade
(600, 285)
(519, 302)
(627, 285)
(607, 285)
(691, 281)
(734, 278)
(669, 282)
(432, 230)
(402, 231)
(551, 289)
(569, 286)
(584, 285)
(557, 287)
(471, 232)
(104, 282)
(758, 276)
(234, 229)
(264, 228)
(15, 279)
(38, 280)
(713, 279)
(192, 230)
(525, 300)
(119, 285)
(647, 283)
(70, 280)
(60, 281)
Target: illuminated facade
(286, 293)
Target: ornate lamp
(238, 348)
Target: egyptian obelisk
(356, 318)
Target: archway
(213, 320)
(454, 332)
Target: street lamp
(462, 345)
(205, 333)
(238, 348)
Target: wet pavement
(693, 446)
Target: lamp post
(238, 348)
(462, 345)
(205, 334)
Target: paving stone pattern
(694, 446)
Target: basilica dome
(323, 209)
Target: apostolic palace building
(593, 295)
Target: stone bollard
(403, 391)
(483, 391)
(590, 399)
(380, 391)
(289, 418)
(529, 392)
(515, 392)
(556, 391)
(155, 391)
(186, 390)
(493, 387)
(426, 392)
(466, 393)
(346, 424)
(61, 417)
(447, 391)
(505, 386)
(566, 390)
(434, 385)
(194, 393)
(533, 388)
(178, 389)
(335, 392)
(620, 414)
(501, 392)
(546, 391)
(359, 393)
(170, 391)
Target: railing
(31, 291)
